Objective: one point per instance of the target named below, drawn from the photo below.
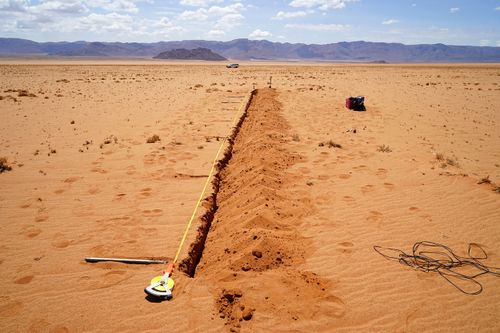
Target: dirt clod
(257, 253)
(3, 165)
(153, 139)
(247, 314)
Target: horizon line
(244, 38)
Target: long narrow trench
(189, 264)
(252, 248)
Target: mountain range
(245, 49)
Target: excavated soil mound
(254, 248)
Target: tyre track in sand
(253, 250)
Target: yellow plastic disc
(156, 279)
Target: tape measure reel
(160, 287)
(170, 283)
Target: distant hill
(199, 53)
(245, 49)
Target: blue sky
(457, 22)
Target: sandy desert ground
(306, 190)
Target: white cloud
(391, 21)
(199, 3)
(454, 10)
(61, 7)
(221, 15)
(321, 4)
(498, 8)
(69, 7)
(286, 15)
(260, 34)
(194, 16)
(216, 33)
(485, 42)
(231, 9)
(13, 5)
(229, 21)
(125, 26)
(100, 23)
(51, 6)
(216, 19)
(163, 27)
(319, 27)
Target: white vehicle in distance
(232, 66)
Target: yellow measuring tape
(212, 169)
(161, 286)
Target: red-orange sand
(290, 247)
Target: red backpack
(348, 103)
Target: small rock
(229, 297)
(257, 253)
(153, 139)
(247, 314)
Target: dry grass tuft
(384, 149)
(24, 93)
(446, 161)
(485, 180)
(330, 144)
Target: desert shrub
(439, 157)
